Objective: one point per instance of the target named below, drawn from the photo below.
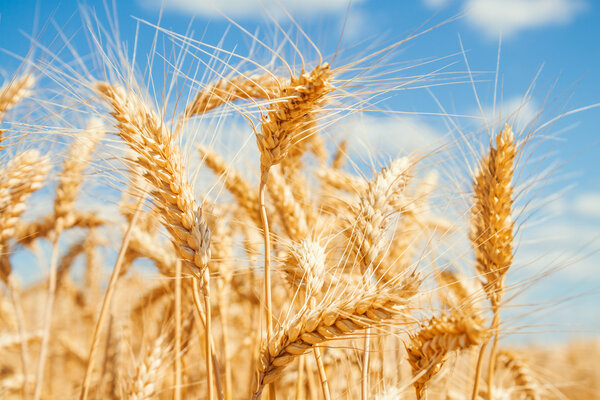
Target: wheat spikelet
(429, 347)
(331, 319)
(304, 267)
(71, 176)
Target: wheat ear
(371, 217)
(227, 90)
(492, 231)
(22, 175)
(160, 158)
(14, 91)
(27, 233)
(292, 214)
(438, 337)
(521, 374)
(146, 382)
(333, 318)
(71, 176)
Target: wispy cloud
(508, 17)
(252, 9)
(588, 205)
(435, 3)
(371, 136)
(516, 110)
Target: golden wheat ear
(289, 115)
(428, 348)
(15, 91)
(71, 176)
(521, 373)
(22, 176)
(336, 317)
(231, 89)
(492, 231)
(160, 158)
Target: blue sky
(557, 42)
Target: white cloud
(370, 136)
(588, 205)
(511, 16)
(515, 110)
(253, 8)
(436, 3)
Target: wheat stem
(493, 352)
(210, 355)
(300, 379)
(208, 345)
(364, 382)
(39, 379)
(478, 371)
(178, 349)
(14, 297)
(112, 284)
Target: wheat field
(279, 266)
